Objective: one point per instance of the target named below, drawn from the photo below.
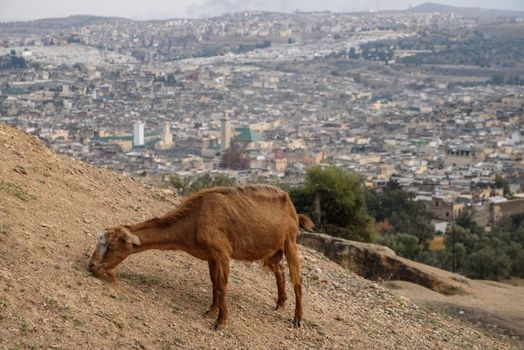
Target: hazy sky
(161, 9)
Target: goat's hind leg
(290, 250)
(222, 281)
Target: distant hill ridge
(60, 23)
(432, 7)
(83, 20)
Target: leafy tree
(336, 199)
(170, 79)
(487, 263)
(16, 61)
(464, 236)
(186, 185)
(352, 53)
(234, 158)
(480, 254)
(403, 244)
(180, 183)
(440, 258)
(401, 210)
(466, 222)
(503, 183)
(460, 257)
(516, 255)
(208, 180)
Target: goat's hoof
(296, 323)
(280, 306)
(210, 312)
(219, 326)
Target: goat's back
(254, 220)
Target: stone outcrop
(376, 262)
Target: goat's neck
(151, 236)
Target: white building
(138, 134)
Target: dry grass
(437, 243)
(15, 190)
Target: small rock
(20, 169)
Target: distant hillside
(50, 209)
(431, 7)
(47, 25)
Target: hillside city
(363, 91)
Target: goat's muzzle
(95, 269)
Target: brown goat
(249, 223)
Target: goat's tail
(305, 222)
(290, 251)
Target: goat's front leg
(222, 280)
(111, 275)
(213, 271)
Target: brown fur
(250, 223)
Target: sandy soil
(498, 307)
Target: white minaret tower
(225, 129)
(138, 134)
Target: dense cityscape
(287, 91)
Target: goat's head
(112, 246)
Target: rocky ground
(495, 306)
(50, 209)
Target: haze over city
(11, 10)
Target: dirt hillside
(492, 305)
(50, 209)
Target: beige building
(443, 207)
(501, 208)
(461, 155)
(313, 158)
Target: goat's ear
(129, 237)
(133, 239)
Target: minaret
(225, 129)
(167, 137)
(138, 134)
